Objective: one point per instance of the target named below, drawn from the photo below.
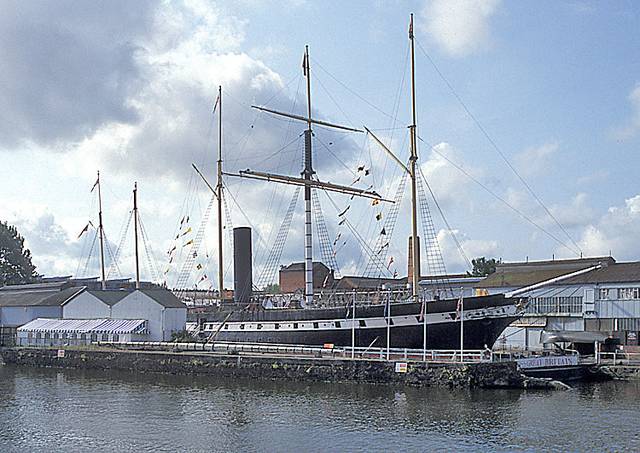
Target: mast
(307, 173)
(135, 231)
(219, 189)
(101, 232)
(412, 172)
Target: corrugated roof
(164, 297)
(119, 326)
(110, 296)
(516, 275)
(31, 298)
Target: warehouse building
(603, 301)
(164, 314)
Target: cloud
(616, 232)
(68, 68)
(449, 185)
(632, 128)
(460, 27)
(473, 248)
(535, 160)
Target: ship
(469, 322)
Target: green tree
(273, 288)
(483, 267)
(15, 260)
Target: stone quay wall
(484, 375)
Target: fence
(329, 351)
(618, 358)
(7, 336)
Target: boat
(473, 322)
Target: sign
(401, 367)
(60, 353)
(548, 361)
(327, 346)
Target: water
(73, 410)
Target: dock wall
(485, 375)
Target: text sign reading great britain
(548, 361)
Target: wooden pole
(101, 233)
(135, 232)
(219, 187)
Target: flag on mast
(95, 184)
(215, 106)
(304, 64)
(459, 306)
(84, 230)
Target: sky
(528, 120)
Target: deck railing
(328, 351)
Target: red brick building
(292, 277)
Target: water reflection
(44, 409)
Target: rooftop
(37, 297)
(118, 326)
(516, 275)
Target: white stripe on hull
(362, 323)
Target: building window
(558, 304)
(603, 293)
(276, 326)
(295, 325)
(337, 324)
(116, 337)
(628, 293)
(94, 337)
(362, 323)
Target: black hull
(479, 332)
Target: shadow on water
(85, 410)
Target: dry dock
(272, 367)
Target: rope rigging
(577, 250)
(327, 251)
(269, 270)
(434, 260)
(377, 261)
(187, 265)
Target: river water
(74, 410)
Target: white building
(605, 300)
(163, 313)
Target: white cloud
(632, 128)
(447, 182)
(460, 27)
(472, 248)
(617, 232)
(533, 161)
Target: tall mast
(219, 188)
(307, 173)
(135, 231)
(101, 233)
(412, 171)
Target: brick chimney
(410, 261)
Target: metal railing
(285, 350)
(618, 358)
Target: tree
(273, 288)
(483, 267)
(15, 261)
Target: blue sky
(128, 90)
